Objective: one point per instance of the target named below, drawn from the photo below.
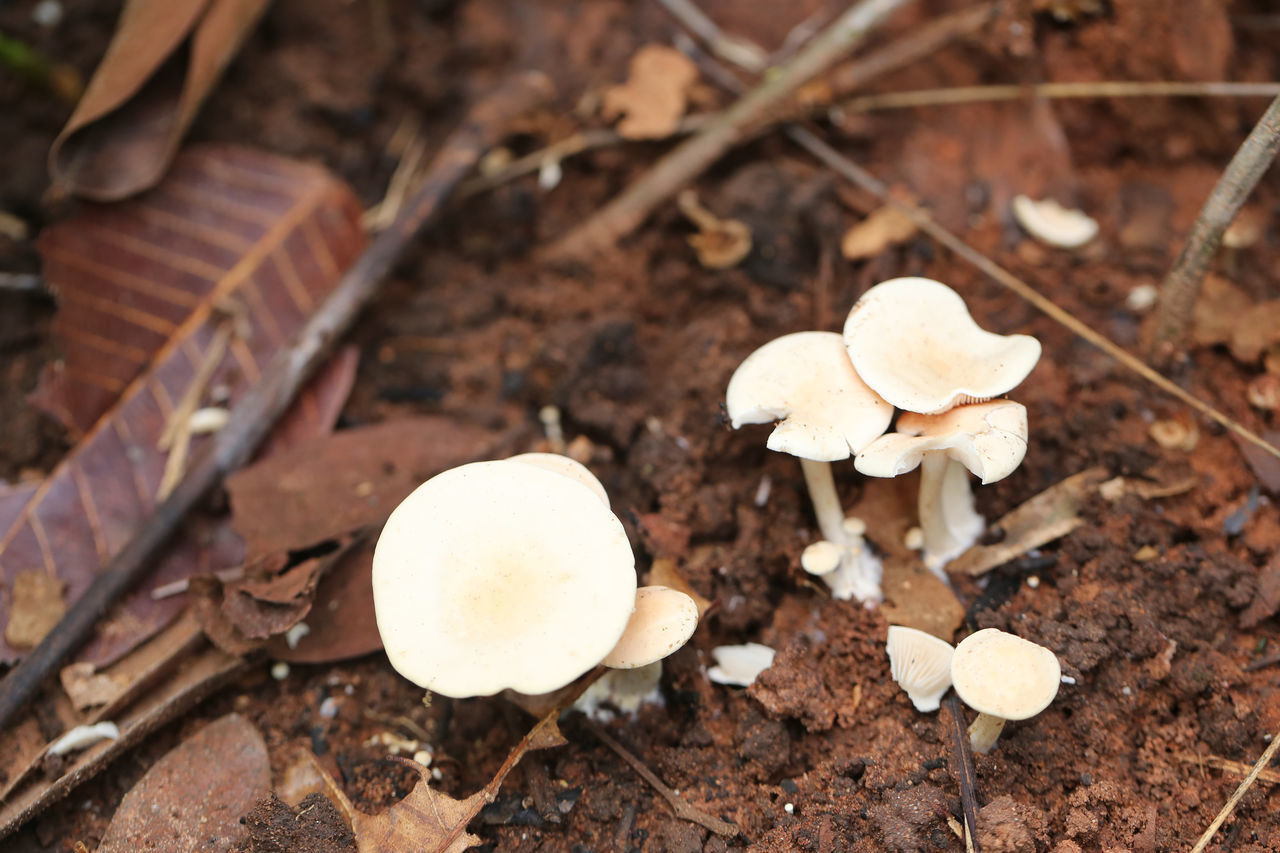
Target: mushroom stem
(826, 503)
(947, 517)
(984, 731)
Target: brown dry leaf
(194, 797)
(163, 60)
(1266, 601)
(352, 479)
(341, 623)
(37, 606)
(917, 598)
(1049, 515)
(655, 95)
(884, 227)
(1218, 310)
(1255, 331)
(1265, 466)
(86, 687)
(429, 820)
(144, 278)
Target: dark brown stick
(688, 159)
(268, 399)
(964, 771)
(1182, 285)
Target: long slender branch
(625, 213)
(1182, 285)
(268, 399)
(964, 772)
(1015, 92)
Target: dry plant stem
(625, 213)
(1111, 89)
(736, 50)
(826, 501)
(271, 396)
(865, 180)
(1271, 777)
(1230, 806)
(683, 810)
(1182, 285)
(964, 771)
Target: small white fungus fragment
(1034, 581)
(329, 708)
(1141, 298)
(1053, 224)
(549, 174)
(763, 490)
(738, 666)
(279, 670)
(83, 737)
(295, 634)
(208, 420)
(789, 808)
(1067, 679)
(914, 540)
(47, 13)
(423, 757)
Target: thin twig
(271, 395)
(740, 121)
(1230, 806)
(1015, 92)
(1182, 285)
(739, 51)
(1262, 663)
(964, 772)
(683, 810)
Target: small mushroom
(501, 575)
(1002, 677)
(989, 439)
(621, 690)
(739, 666)
(1053, 224)
(913, 342)
(663, 621)
(921, 664)
(805, 382)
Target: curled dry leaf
(884, 227)
(719, 243)
(341, 623)
(194, 797)
(140, 284)
(655, 95)
(163, 60)
(1266, 601)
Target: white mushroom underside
(501, 575)
(921, 665)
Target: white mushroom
(623, 690)
(989, 439)
(1002, 677)
(739, 666)
(805, 382)
(913, 342)
(921, 665)
(1053, 224)
(563, 465)
(501, 575)
(663, 621)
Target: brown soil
(636, 351)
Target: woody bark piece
(140, 285)
(163, 60)
(270, 397)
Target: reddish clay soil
(825, 752)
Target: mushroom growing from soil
(913, 342)
(1002, 677)
(805, 382)
(499, 575)
(1054, 225)
(989, 439)
(921, 665)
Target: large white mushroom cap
(990, 439)
(806, 382)
(912, 340)
(571, 468)
(1004, 675)
(501, 575)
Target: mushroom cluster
(909, 344)
(515, 574)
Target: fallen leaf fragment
(163, 60)
(140, 287)
(1265, 466)
(1255, 331)
(194, 797)
(86, 687)
(1266, 601)
(719, 243)
(655, 95)
(1218, 310)
(917, 598)
(37, 606)
(341, 620)
(327, 488)
(1049, 515)
(884, 227)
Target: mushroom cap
(501, 575)
(821, 557)
(1052, 224)
(663, 621)
(1005, 676)
(921, 664)
(565, 466)
(739, 666)
(805, 381)
(912, 340)
(990, 439)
